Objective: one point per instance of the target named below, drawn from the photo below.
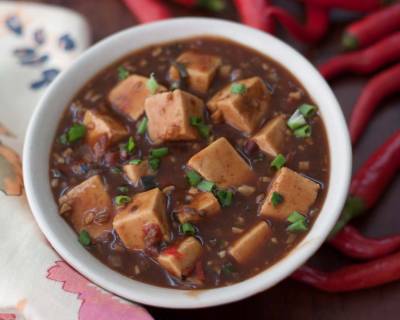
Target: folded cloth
(36, 43)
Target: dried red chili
(253, 13)
(370, 181)
(352, 277)
(352, 5)
(372, 28)
(149, 10)
(379, 87)
(364, 61)
(316, 25)
(352, 243)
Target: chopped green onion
(276, 198)
(238, 88)
(148, 182)
(206, 186)
(187, 229)
(123, 189)
(303, 132)
(142, 127)
(213, 5)
(298, 222)
(193, 177)
(228, 269)
(135, 161)
(202, 128)
(122, 199)
(159, 152)
(84, 238)
(154, 163)
(130, 145)
(152, 84)
(307, 110)
(122, 73)
(225, 197)
(296, 120)
(278, 162)
(74, 133)
(116, 170)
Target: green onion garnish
(135, 161)
(84, 238)
(122, 73)
(116, 170)
(296, 120)
(307, 110)
(159, 152)
(298, 222)
(278, 162)
(225, 197)
(123, 189)
(206, 186)
(228, 269)
(74, 133)
(130, 145)
(122, 199)
(187, 229)
(238, 88)
(142, 127)
(276, 198)
(202, 128)
(303, 132)
(193, 177)
(154, 163)
(152, 84)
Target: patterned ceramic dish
(44, 122)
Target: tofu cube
(169, 116)
(221, 163)
(249, 243)
(200, 67)
(298, 192)
(143, 222)
(246, 111)
(102, 130)
(134, 172)
(128, 96)
(271, 137)
(91, 207)
(179, 260)
(203, 205)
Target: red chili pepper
(352, 243)
(253, 13)
(372, 28)
(316, 25)
(352, 5)
(370, 181)
(352, 277)
(379, 87)
(148, 10)
(213, 5)
(364, 61)
(173, 251)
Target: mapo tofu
(190, 165)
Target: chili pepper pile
(376, 37)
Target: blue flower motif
(29, 56)
(14, 24)
(47, 77)
(66, 42)
(39, 37)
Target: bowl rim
(46, 214)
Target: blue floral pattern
(34, 56)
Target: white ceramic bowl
(43, 126)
